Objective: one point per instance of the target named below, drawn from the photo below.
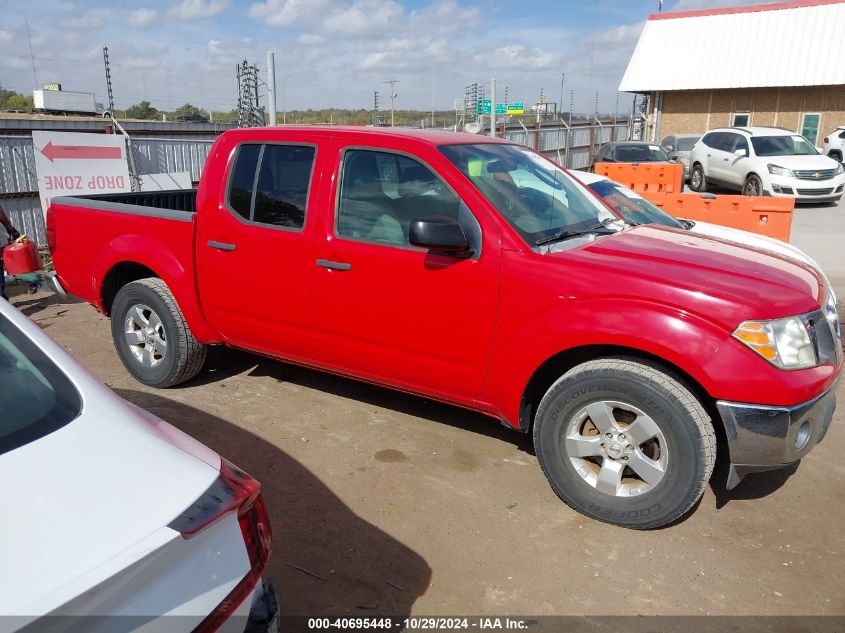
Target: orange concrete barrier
(758, 214)
(645, 177)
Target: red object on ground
(21, 257)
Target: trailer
(66, 102)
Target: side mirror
(669, 147)
(440, 235)
(673, 157)
(740, 152)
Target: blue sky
(330, 52)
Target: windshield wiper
(563, 235)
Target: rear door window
(36, 398)
(282, 190)
(269, 183)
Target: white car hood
(754, 240)
(801, 162)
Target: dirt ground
(387, 503)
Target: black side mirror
(440, 235)
(673, 157)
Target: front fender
(158, 257)
(679, 338)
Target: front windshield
(532, 193)
(640, 153)
(794, 145)
(685, 143)
(632, 206)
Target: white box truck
(65, 102)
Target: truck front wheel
(623, 441)
(151, 335)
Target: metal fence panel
(167, 156)
(17, 165)
(24, 211)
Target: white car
(765, 161)
(112, 514)
(834, 144)
(635, 209)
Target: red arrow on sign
(86, 152)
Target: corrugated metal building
(770, 65)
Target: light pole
(284, 91)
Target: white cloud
(309, 39)
(365, 18)
(141, 18)
(290, 12)
(197, 9)
(85, 22)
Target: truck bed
(172, 199)
(90, 235)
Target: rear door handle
(325, 263)
(222, 246)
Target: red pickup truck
(476, 272)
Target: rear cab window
(36, 398)
(269, 184)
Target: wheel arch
(553, 368)
(117, 277)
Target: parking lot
(387, 503)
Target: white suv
(765, 161)
(834, 143)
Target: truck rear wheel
(151, 336)
(623, 441)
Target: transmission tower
(250, 113)
(378, 119)
(108, 79)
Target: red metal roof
(796, 4)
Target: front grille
(814, 174)
(815, 192)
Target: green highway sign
(482, 106)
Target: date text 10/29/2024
(419, 624)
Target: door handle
(727, 159)
(325, 263)
(222, 246)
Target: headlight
(832, 314)
(785, 343)
(777, 170)
(839, 169)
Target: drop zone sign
(72, 163)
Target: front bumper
(764, 438)
(806, 190)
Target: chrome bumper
(764, 438)
(57, 286)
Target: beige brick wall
(695, 111)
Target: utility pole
(560, 103)
(271, 86)
(493, 107)
(31, 56)
(108, 79)
(392, 83)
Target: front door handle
(222, 246)
(325, 263)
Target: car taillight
(234, 490)
(826, 140)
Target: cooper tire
(685, 430)
(151, 336)
(697, 180)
